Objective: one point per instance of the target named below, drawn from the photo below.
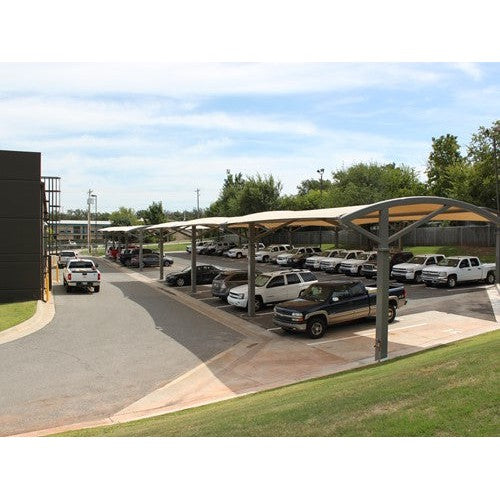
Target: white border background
(278, 31)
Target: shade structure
(415, 210)
(121, 229)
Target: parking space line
(265, 314)
(272, 329)
(210, 298)
(406, 327)
(225, 305)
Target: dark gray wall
(20, 226)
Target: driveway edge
(44, 314)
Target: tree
(226, 204)
(124, 217)
(259, 194)
(308, 185)
(480, 154)
(444, 157)
(362, 184)
(154, 214)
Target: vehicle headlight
(296, 316)
(240, 295)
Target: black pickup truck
(324, 304)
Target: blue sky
(137, 133)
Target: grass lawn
(447, 391)
(16, 312)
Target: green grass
(447, 391)
(16, 312)
(486, 254)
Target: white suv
(240, 252)
(314, 262)
(271, 288)
(285, 259)
(332, 264)
(270, 253)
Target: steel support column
(382, 324)
(193, 259)
(251, 270)
(161, 254)
(497, 247)
(141, 241)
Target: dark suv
(222, 284)
(128, 254)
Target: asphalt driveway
(102, 352)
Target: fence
(470, 236)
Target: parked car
(218, 248)
(274, 287)
(314, 262)
(287, 259)
(65, 256)
(270, 253)
(226, 281)
(201, 246)
(127, 254)
(353, 266)
(204, 274)
(332, 264)
(369, 269)
(412, 270)
(453, 270)
(150, 260)
(81, 273)
(323, 304)
(239, 252)
(298, 259)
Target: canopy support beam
(193, 259)
(141, 241)
(382, 304)
(161, 255)
(251, 270)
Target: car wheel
(358, 273)
(316, 327)
(451, 281)
(336, 269)
(68, 289)
(180, 282)
(391, 313)
(490, 278)
(259, 304)
(265, 259)
(239, 255)
(97, 289)
(418, 277)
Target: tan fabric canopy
(121, 229)
(400, 209)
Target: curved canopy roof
(400, 209)
(121, 229)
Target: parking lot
(468, 300)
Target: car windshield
(372, 257)
(449, 262)
(342, 255)
(186, 269)
(262, 279)
(362, 256)
(416, 260)
(67, 254)
(328, 253)
(317, 293)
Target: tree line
(470, 177)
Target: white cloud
(470, 69)
(178, 80)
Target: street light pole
(197, 191)
(89, 201)
(320, 171)
(95, 211)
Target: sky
(142, 132)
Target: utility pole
(94, 196)
(321, 171)
(197, 191)
(89, 202)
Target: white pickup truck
(453, 270)
(65, 256)
(81, 273)
(412, 270)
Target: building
(75, 231)
(23, 211)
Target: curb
(44, 314)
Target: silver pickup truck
(81, 273)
